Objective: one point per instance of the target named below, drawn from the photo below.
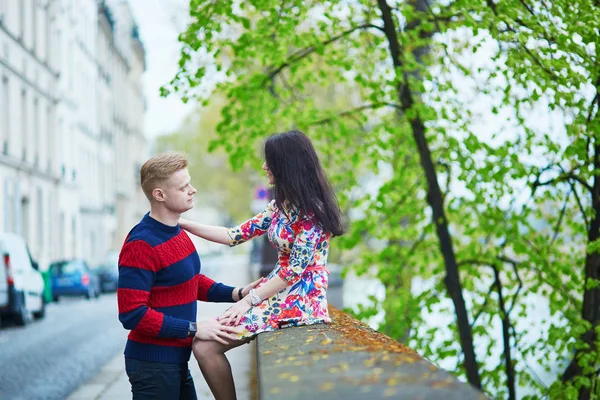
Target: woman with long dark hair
(299, 222)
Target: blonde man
(159, 285)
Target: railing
(348, 360)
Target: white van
(21, 283)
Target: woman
(299, 224)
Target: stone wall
(348, 360)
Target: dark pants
(158, 381)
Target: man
(159, 284)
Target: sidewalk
(111, 382)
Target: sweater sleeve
(138, 264)
(214, 292)
(255, 226)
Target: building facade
(71, 126)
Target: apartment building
(71, 125)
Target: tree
(549, 53)
(447, 201)
(218, 186)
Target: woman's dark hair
(300, 181)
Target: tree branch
(493, 7)
(528, 8)
(305, 52)
(560, 217)
(564, 177)
(448, 179)
(580, 204)
(515, 265)
(504, 316)
(483, 306)
(373, 106)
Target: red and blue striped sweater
(159, 284)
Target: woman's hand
(217, 331)
(184, 223)
(217, 234)
(250, 286)
(234, 314)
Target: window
(74, 229)
(55, 55)
(40, 215)
(21, 19)
(35, 132)
(9, 206)
(65, 268)
(50, 137)
(70, 69)
(61, 236)
(50, 236)
(47, 33)
(4, 113)
(25, 219)
(24, 123)
(33, 24)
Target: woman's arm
(234, 314)
(255, 226)
(270, 288)
(217, 234)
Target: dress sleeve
(303, 251)
(255, 226)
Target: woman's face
(269, 174)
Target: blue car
(108, 277)
(73, 278)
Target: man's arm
(137, 272)
(216, 292)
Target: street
(48, 359)
(52, 358)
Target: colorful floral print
(302, 249)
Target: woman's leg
(215, 366)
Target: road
(48, 359)
(51, 358)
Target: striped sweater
(159, 284)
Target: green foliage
(516, 188)
(218, 186)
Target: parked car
(108, 273)
(21, 283)
(73, 278)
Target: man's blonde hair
(160, 168)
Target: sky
(160, 22)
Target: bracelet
(240, 294)
(254, 298)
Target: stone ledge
(348, 360)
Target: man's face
(178, 192)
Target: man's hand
(250, 286)
(217, 331)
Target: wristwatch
(192, 329)
(254, 298)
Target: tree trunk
(591, 297)
(434, 198)
(508, 363)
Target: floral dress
(302, 248)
